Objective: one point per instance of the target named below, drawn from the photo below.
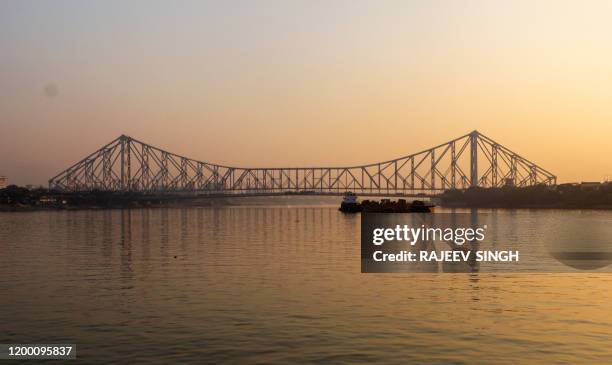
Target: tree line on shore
(544, 196)
(17, 196)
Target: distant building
(566, 185)
(3, 182)
(47, 200)
(590, 185)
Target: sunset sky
(288, 83)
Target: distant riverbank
(19, 199)
(566, 196)
(524, 206)
(14, 198)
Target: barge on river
(350, 204)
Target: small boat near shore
(350, 204)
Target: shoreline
(4, 208)
(562, 197)
(527, 206)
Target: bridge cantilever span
(126, 164)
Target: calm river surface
(277, 284)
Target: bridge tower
(474, 159)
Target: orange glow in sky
(274, 83)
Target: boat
(350, 204)
(400, 206)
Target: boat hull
(386, 206)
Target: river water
(277, 284)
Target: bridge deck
(290, 194)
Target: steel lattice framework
(127, 164)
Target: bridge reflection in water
(127, 164)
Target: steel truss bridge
(129, 165)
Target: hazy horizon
(274, 83)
